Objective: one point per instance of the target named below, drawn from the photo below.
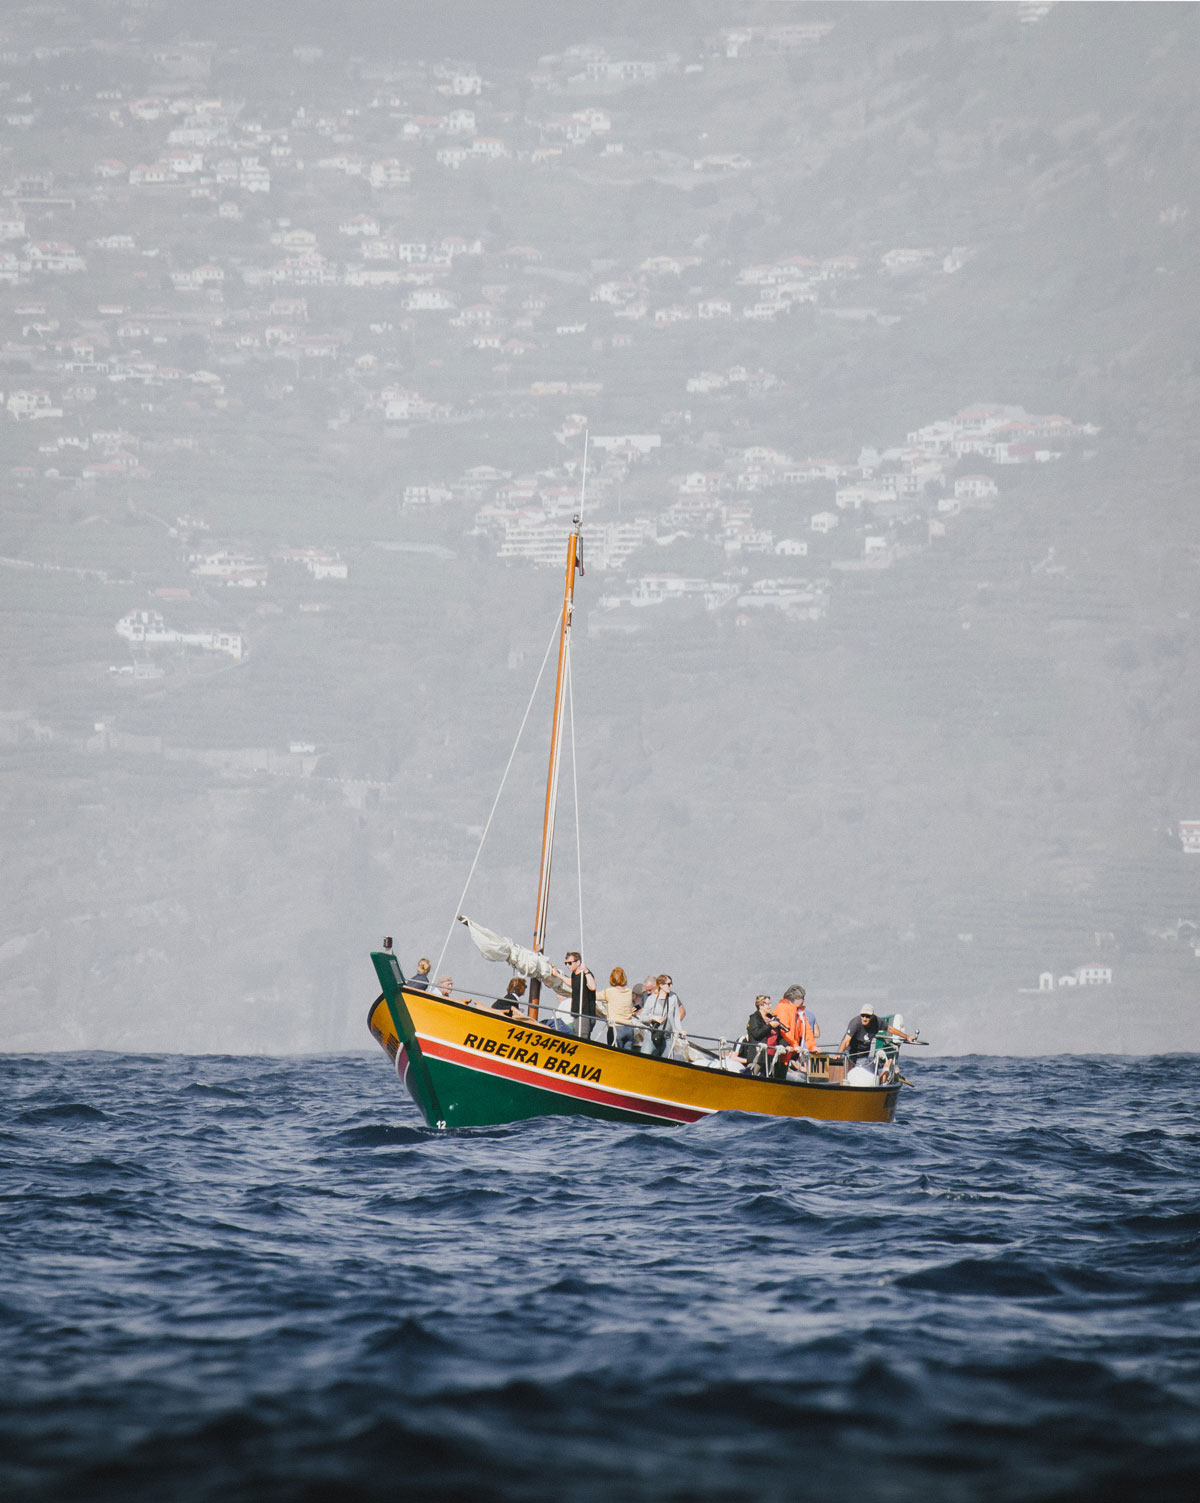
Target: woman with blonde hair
(762, 1034)
(617, 1002)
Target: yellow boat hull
(467, 1066)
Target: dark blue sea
(229, 1278)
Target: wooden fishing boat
(466, 1065)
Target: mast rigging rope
(500, 790)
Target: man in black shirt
(583, 995)
(860, 1035)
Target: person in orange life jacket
(807, 1029)
(860, 1034)
(797, 1029)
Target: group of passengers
(423, 981)
(777, 1034)
(647, 1017)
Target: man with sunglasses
(861, 1031)
(583, 994)
(664, 1013)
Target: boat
(467, 1065)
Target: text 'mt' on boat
(466, 1065)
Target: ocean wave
(383, 1135)
(221, 1281)
(65, 1112)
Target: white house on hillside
(974, 488)
(148, 629)
(1094, 974)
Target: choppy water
(263, 1279)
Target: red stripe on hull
(488, 1065)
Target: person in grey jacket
(663, 1013)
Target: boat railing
(718, 1048)
(485, 1002)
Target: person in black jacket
(510, 1003)
(761, 1035)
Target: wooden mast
(564, 640)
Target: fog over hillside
(880, 325)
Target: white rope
(499, 791)
(575, 784)
(571, 706)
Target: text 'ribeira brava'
(545, 1058)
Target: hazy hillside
(968, 771)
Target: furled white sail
(493, 946)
